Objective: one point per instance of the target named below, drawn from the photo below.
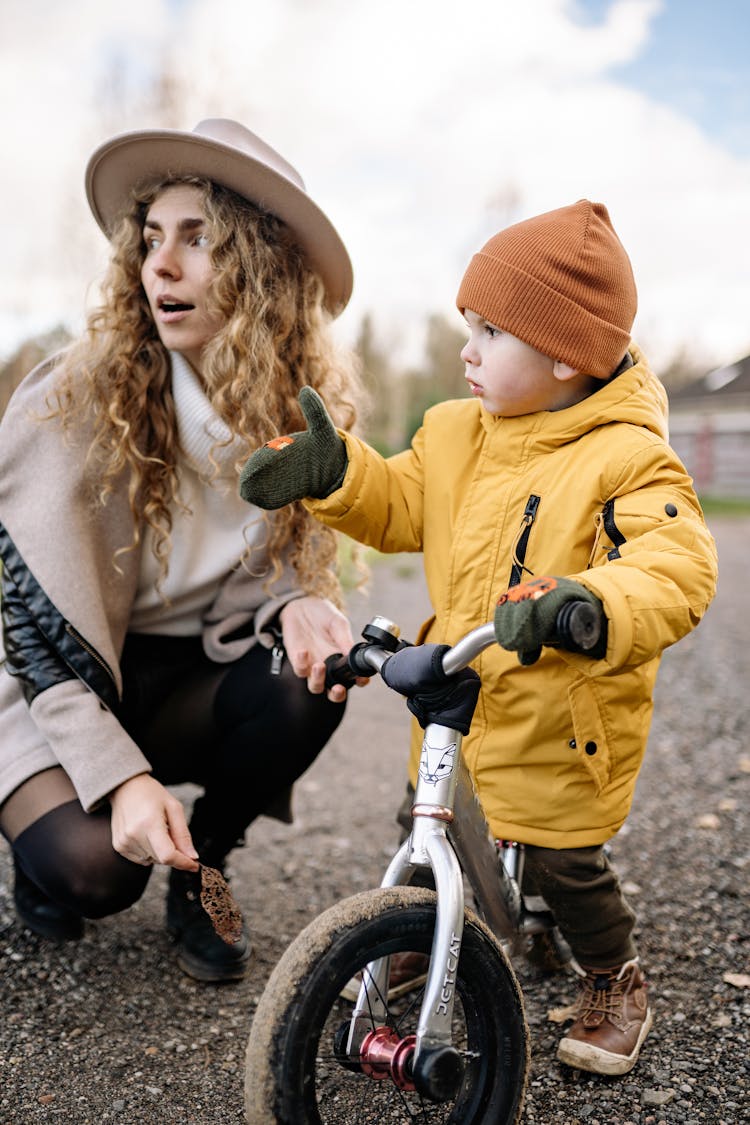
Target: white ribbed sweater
(207, 534)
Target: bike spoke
(356, 1095)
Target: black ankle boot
(201, 953)
(41, 914)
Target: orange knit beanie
(560, 282)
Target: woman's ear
(563, 372)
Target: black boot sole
(203, 968)
(212, 974)
(199, 968)
(62, 929)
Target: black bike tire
(304, 986)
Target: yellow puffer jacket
(593, 492)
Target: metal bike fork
(427, 846)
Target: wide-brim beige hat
(229, 154)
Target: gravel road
(109, 1030)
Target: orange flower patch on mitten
(528, 591)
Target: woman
(157, 629)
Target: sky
(420, 126)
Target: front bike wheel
(294, 1075)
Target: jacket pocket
(616, 537)
(590, 741)
(627, 518)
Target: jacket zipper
(522, 541)
(71, 631)
(612, 530)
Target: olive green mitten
(526, 615)
(309, 463)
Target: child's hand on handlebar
(526, 616)
(311, 462)
(431, 695)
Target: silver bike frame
(450, 836)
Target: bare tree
(26, 357)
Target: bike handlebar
(578, 628)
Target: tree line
(398, 395)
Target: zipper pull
(518, 550)
(277, 659)
(599, 525)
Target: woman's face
(177, 272)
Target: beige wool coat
(593, 492)
(58, 548)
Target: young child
(554, 481)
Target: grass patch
(728, 506)
(352, 558)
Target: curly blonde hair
(276, 337)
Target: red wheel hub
(384, 1055)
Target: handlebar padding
(431, 696)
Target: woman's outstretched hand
(149, 825)
(311, 462)
(313, 628)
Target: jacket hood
(636, 397)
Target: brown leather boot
(612, 1019)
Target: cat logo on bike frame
(436, 762)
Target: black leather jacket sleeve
(28, 653)
(41, 648)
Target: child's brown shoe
(408, 972)
(612, 1018)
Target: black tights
(69, 855)
(242, 734)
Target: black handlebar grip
(579, 626)
(347, 669)
(338, 671)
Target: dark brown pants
(583, 892)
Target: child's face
(508, 376)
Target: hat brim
(120, 164)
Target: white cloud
(421, 127)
